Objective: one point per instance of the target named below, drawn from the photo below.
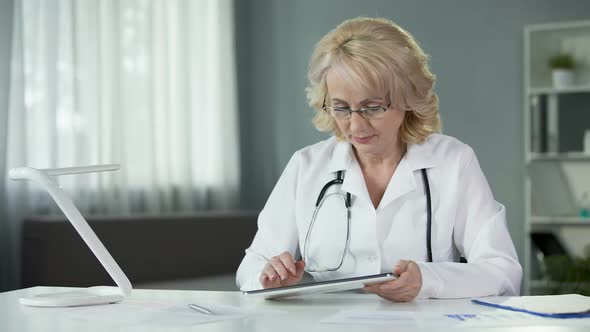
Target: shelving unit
(554, 91)
(559, 221)
(555, 156)
(554, 123)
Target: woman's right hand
(282, 270)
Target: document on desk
(492, 318)
(129, 313)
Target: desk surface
(302, 314)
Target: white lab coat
(465, 217)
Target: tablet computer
(321, 286)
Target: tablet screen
(321, 286)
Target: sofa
(167, 251)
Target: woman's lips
(363, 140)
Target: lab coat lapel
(401, 183)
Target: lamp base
(89, 296)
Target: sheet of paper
(160, 314)
(424, 319)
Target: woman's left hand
(403, 289)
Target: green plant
(561, 61)
(567, 275)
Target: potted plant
(562, 70)
(567, 275)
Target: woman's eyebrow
(339, 100)
(361, 102)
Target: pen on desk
(200, 309)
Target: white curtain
(149, 84)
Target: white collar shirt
(465, 219)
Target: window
(149, 84)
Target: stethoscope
(347, 203)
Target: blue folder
(585, 314)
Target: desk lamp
(91, 295)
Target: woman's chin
(365, 148)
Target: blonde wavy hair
(377, 54)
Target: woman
(389, 171)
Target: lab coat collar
(341, 157)
(417, 157)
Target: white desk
(303, 314)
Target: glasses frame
(362, 111)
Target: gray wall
(477, 54)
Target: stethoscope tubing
(347, 202)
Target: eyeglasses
(343, 113)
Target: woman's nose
(357, 122)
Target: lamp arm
(71, 212)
